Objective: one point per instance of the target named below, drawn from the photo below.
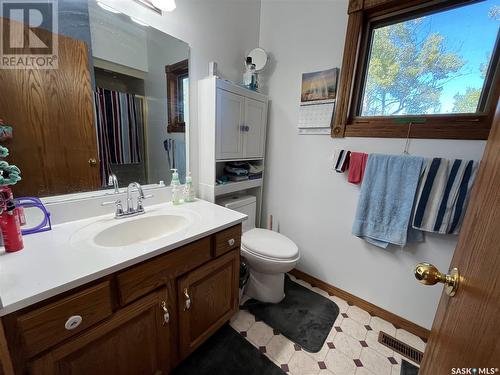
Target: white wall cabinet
(240, 126)
(230, 118)
(254, 128)
(233, 124)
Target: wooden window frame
(176, 124)
(346, 123)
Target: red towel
(357, 164)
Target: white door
(255, 128)
(229, 129)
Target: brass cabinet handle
(92, 162)
(187, 303)
(166, 314)
(428, 274)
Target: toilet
(269, 254)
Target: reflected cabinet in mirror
(117, 104)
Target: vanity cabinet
(136, 340)
(141, 320)
(209, 297)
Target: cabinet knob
(92, 162)
(187, 303)
(73, 322)
(231, 241)
(166, 314)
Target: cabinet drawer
(227, 240)
(146, 277)
(50, 324)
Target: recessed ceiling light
(138, 21)
(107, 7)
(165, 5)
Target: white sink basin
(140, 230)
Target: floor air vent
(400, 347)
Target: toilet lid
(269, 244)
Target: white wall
(117, 39)
(216, 30)
(314, 205)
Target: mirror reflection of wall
(118, 104)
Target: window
(178, 96)
(429, 68)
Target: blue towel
(386, 200)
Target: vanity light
(164, 5)
(138, 21)
(107, 7)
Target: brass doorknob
(92, 162)
(428, 274)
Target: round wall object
(259, 58)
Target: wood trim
(374, 310)
(352, 40)
(363, 15)
(174, 71)
(6, 367)
(355, 5)
(388, 129)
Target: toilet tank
(246, 204)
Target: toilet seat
(270, 245)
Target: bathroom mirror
(117, 104)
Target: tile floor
(351, 348)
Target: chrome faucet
(130, 211)
(113, 181)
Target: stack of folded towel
(242, 170)
(236, 171)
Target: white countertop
(59, 260)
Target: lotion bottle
(189, 193)
(176, 187)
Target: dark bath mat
(408, 369)
(227, 353)
(305, 317)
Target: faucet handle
(118, 204)
(140, 207)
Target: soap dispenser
(176, 187)
(189, 193)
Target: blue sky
(470, 33)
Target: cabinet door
(255, 128)
(208, 297)
(230, 117)
(136, 340)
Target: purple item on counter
(33, 202)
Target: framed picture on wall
(320, 85)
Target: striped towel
(343, 161)
(443, 195)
